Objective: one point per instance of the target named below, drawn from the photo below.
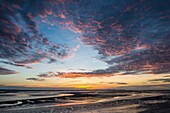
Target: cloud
(167, 80)
(49, 75)
(4, 71)
(135, 31)
(15, 64)
(70, 69)
(76, 48)
(120, 83)
(73, 74)
(35, 79)
(167, 76)
(20, 40)
(82, 69)
(132, 37)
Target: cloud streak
(119, 83)
(167, 80)
(15, 64)
(4, 71)
(74, 74)
(49, 75)
(35, 79)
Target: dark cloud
(15, 64)
(120, 83)
(35, 79)
(166, 76)
(49, 75)
(4, 71)
(160, 80)
(2, 85)
(82, 69)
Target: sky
(85, 44)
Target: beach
(108, 101)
